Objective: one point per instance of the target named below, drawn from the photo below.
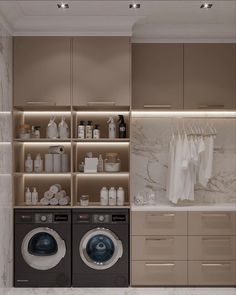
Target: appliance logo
(22, 281)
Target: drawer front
(159, 223)
(169, 273)
(212, 247)
(212, 223)
(212, 273)
(159, 248)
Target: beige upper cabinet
(209, 76)
(42, 71)
(101, 71)
(157, 80)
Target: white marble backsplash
(149, 158)
(6, 218)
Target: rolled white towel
(48, 195)
(54, 202)
(55, 188)
(64, 201)
(44, 202)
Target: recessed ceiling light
(206, 5)
(135, 5)
(63, 5)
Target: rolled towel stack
(55, 196)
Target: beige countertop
(194, 207)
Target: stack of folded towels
(55, 196)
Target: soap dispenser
(111, 128)
(28, 197)
(122, 127)
(38, 164)
(63, 129)
(52, 131)
(28, 164)
(34, 197)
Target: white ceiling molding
(156, 20)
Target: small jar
(84, 200)
(24, 131)
(112, 163)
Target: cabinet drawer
(212, 223)
(159, 223)
(159, 248)
(212, 273)
(146, 273)
(212, 248)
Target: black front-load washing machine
(42, 243)
(100, 248)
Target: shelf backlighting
(101, 113)
(184, 114)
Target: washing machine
(100, 248)
(42, 248)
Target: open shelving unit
(74, 182)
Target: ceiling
(157, 21)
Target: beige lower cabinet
(212, 273)
(212, 248)
(159, 247)
(159, 273)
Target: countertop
(194, 207)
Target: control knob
(43, 218)
(101, 218)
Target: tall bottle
(52, 130)
(28, 164)
(111, 128)
(63, 128)
(89, 130)
(81, 130)
(96, 132)
(28, 197)
(100, 164)
(38, 164)
(122, 127)
(104, 197)
(120, 196)
(112, 196)
(34, 197)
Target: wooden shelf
(98, 206)
(42, 140)
(42, 174)
(24, 206)
(115, 140)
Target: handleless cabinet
(209, 76)
(101, 71)
(157, 76)
(42, 71)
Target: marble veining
(125, 291)
(6, 218)
(149, 158)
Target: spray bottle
(111, 128)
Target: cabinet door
(209, 76)
(41, 71)
(157, 71)
(101, 73)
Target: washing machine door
(100, 248)
(43, 248)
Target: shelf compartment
(102, 140)
(121, 148)
(41, 182)
(96, 205)
(101, 119)
(22, 149)
(37, 118)
(91, 184)
(42, 140)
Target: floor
(125, 291)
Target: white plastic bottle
(100, 164)
(120, 196)
(28, 197)
(35, 197)
(111, 128)
(28, 164)
(38, 164)
(52, 130)
(81, 130)
(63, 128)
(89, 130)
(112, 196)
(96, 132)
(104, 201)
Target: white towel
(48, 195)
(64, 201)
(44, 202)
(54, 202)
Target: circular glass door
(43, 248)
(100, 248)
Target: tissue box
(91, 165)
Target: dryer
(42, 248)
(100, 248)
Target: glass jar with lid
(24, 131)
